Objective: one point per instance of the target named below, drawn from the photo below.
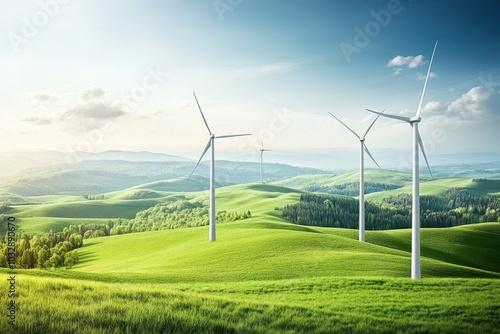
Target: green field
(371, 175)
(439, 186)
(262, 275)
(317, 305)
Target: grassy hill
(302, 182)
(57, 211)
(257, 250)
(438, 187)
(262, 275)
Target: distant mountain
(98, 176)
(15, 162)
(47, 172)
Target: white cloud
(92, 93)
(468, 108)
(91, 115)
(45, 100)
(420, 76)
(410, 61)
(476, 102)
(94, 111)
(432, 106)
(38, 120)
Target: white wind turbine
(210, 144)
(262, 150)
(363, 149)
(417, 141)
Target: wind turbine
(363, 149)
(210, 144)
(417, 141)
(262, 150)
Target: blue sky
(100, 75)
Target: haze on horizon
(120, 74)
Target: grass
(470, 245)
(45, 224)
(244, 252)
(262, 275)
(62, 211)
(439, 187)
(371, 175)
(260, 199)
(318, 305)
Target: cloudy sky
(102, 75)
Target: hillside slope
(254, 250)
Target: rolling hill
(437, 187)
(262, 275)
(58, 211)
(257, 250)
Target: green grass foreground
(267, 278)
(317, 305)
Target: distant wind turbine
(210, 144)
(417, 141)
(262, 150)
(363, 149)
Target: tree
(55, 261)
(70, 259)
(43, 256)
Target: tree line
(178, 214)
(457, 207)
(43, 250)
(350, 189)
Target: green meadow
(315, 305)
(262, 275)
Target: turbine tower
(363, 148)
(262, 150)
(210, 144)
(417, 141)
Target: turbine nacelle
(415, 119)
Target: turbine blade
(401, 118)
(371, 156)
(229, 136)
(421, 144)
(203, 116)
(368, 130)
(261, 144)
(425, 83)
(199, 160)
(348, 128)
